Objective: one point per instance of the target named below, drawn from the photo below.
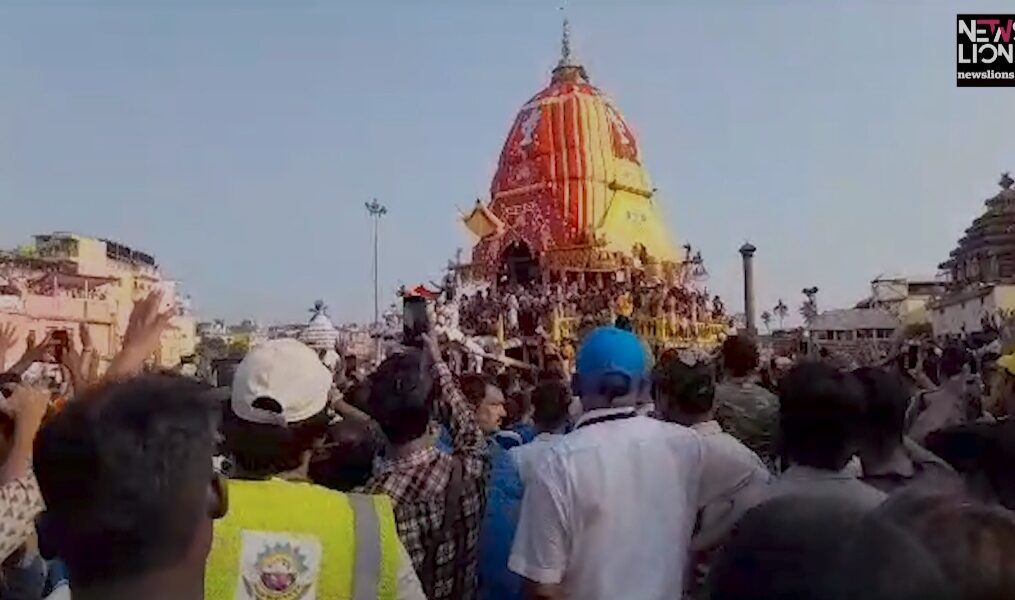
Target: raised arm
(27, 406)
(144, 330)
(467, 438)
(33, 353)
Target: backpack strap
(452, 510)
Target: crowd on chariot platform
(526, 309)
(620, 476)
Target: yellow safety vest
(283, 540)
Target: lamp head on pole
(375, 208)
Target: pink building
(67, 280)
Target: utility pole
(376, 210)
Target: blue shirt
(526, 430)
(503, 503)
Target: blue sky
(237, 141)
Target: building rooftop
(849, 319)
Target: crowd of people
(526, 309)
(641, 477)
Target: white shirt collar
(603, 412)
(707, 427)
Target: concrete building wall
(964, 313)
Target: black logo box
(1000, 72)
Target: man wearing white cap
(283, 536)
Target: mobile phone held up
(415, 321)
(913, 356)
(61, 341)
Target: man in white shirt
(685, 395)
(609, 511)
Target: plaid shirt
(416, 484)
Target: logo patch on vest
(278, 566)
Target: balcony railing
(69, 309)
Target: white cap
(288, 372)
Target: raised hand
(27, 406)
(86, 337)
(78, 364)
(141, 339)
(8, 337)
(33, 353)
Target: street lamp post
(376, 210)
(811, 311)
(747, 255)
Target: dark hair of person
(346, 459)
(474, 387)
(880, 560)
(819, 410)
(262, 450)
(952, 360)
(358, 395)
(784, 548)
(932, 366)
(402, 393)
(972, 544)
(984, 453)
(739, 355)
(689, 388)
(825, 548)
(125, 472)
(551, 400)
(516, 406)
(883, 403)
(623, 322)
(506, 381)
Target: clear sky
(238, 140)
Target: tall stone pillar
(747, 254)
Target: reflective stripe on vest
(367, 570)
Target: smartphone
(61, 341)
(913, 358)
(415, 320)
